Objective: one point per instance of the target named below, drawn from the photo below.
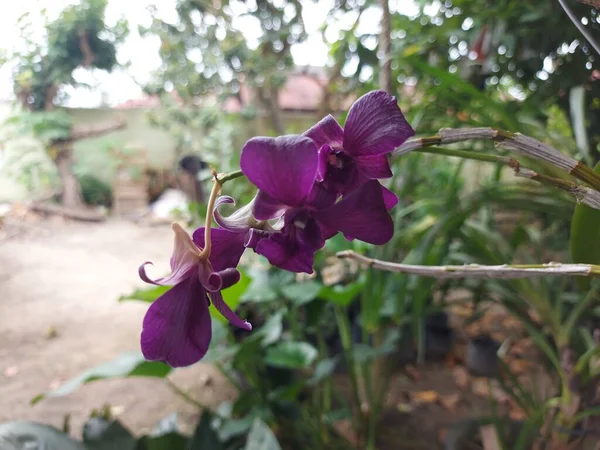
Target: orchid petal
(375, 125)
(320, 197)
(266, 207)
(361, 215)
(285, 167)
(254, 236)
(278, 251)
(177, 327)
(222, 280)
(294, 247)
(183, 261)
(225, 310)
(374, 167)
(324, 153)
(326, 131)
(239, 221)
(226, 247)
(389, 198)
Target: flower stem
(505, 140)
(209, 216)
(465, 154)
(230, 176)
(343, 323)
(219, 182)
(504, 271)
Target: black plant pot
(482, 356)
(439, 337)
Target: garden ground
(59, 315)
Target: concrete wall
(94, 156)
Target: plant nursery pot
(439, 337)
(482, 356)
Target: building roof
(302, 91)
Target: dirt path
(69, 280)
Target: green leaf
(364, 353)
(288, 392)
(167, 425)
(234, 427)
(324, 369)
(585, 237)
(595, 411)
(205, 437)
(342, 294)
(584, 360)
(169, 441)
(261, 437)
(232, 296)
(266, 285)
(35, 436)
(272, 329)
(218, 349)
(130, 364)
(101, 434)
(291, 355)
(147, 295)
(302, 293)
(542, 343)
(260, 289)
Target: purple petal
(177, 328)
(254, 236)
(184, 260)
(280, 254)
(389, 198)
(285, 167)
(239, 221)
(374, 167)
(324, 153)
(310, 235)
(361, 215)
(326, 132)
(375, 125)
(266, 207)
(225, 310)
(222, 280)
(227, 247)
(294, 248)
(320, 197)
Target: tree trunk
(326, 106)
(269, 97)
(87, 131)
(385, 49)
(275, 111)
(71, 191)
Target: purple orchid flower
(285, 171)
(350, 156)
(177, 326)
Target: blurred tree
(205, 52)
(42, 68)
(479, 62)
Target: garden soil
(59, 315)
